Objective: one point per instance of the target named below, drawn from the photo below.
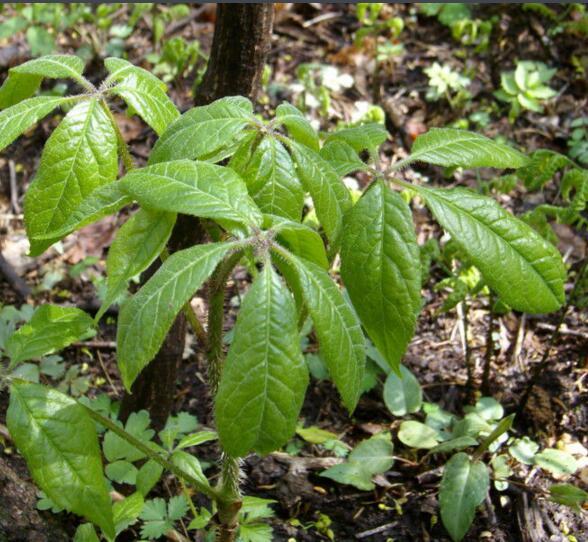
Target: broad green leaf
(54, 67)
(86, 533)
(195, 439)
(148, 475)
(418, 435)
(568, 495)
(342, 157)
(148, 101)
(203, 130)
(380, 267)
(298, 127)
(524, 450)
(330, 196)
(370, 457)
(402, 394)
(272, 182)
(193, 188)
(464, 487)
(49, 330)
(146, 318)
(18, 87)
(116, 448)
(190, 465)
(455, 444)
(555, 461)
(136, 245)
(121, 472)
(524, 269)
(80, 156)
(119, 68)
(264, 376)
(59, 442)
(105, 200)
(299, 239)
(341, 340)
(127, 511)
(488, 408)
(367, 137)
(20, 117)
(452, 147)
(315, 435)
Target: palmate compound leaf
(146, 318)
(143, 92)
(79, 157)
(59, 442)
(264, 377)
(136, 245)
(380, 267)
(341, 340)
(49, 330)
(464, 486)
(194, 188)
(524, 269)
(20, 117)
(203, 130)
(330, 196)
(451, 147)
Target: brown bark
(240, 45)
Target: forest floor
(403, 507)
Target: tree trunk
(241, 41)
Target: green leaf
(148, 475)
(117, 448)
(194, 188)
(341, 340)
(137, 244)
(524, 450)
(315, 435)
(451, 147)
(330, 196)
(195, 439)
(203, 130)
(568, 495)
(122, 472)
(105, 200)
(143, 93)
(370, 457)
(127, 511)
(402, 394)
(299, 239)
(51, 329)
(86, 533)
(459, 443)
(342, 157)
(531, 273)
(58, 439)
(190, 465)
(20, 117)
(18, 87)
(40, 40)
(156, 520)
(557, 462)
(380, 267)
(54, 67)
(542, 167)
(488, 408)
(272, 182)
(418, 435)
(464, 487)
(146, 318)
(367, 137)
(80, 156)
(264, 377)
(298, 127)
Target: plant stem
(489, 348)
(122, 145)
(540, 367)
(152, 454)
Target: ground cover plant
(333, 278)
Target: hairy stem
(489, 348)
(122, 145)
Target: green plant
(446, 83)
(578, 142)
(252, 208)
(526, 87)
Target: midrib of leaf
(498, 236)
(73, 161)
